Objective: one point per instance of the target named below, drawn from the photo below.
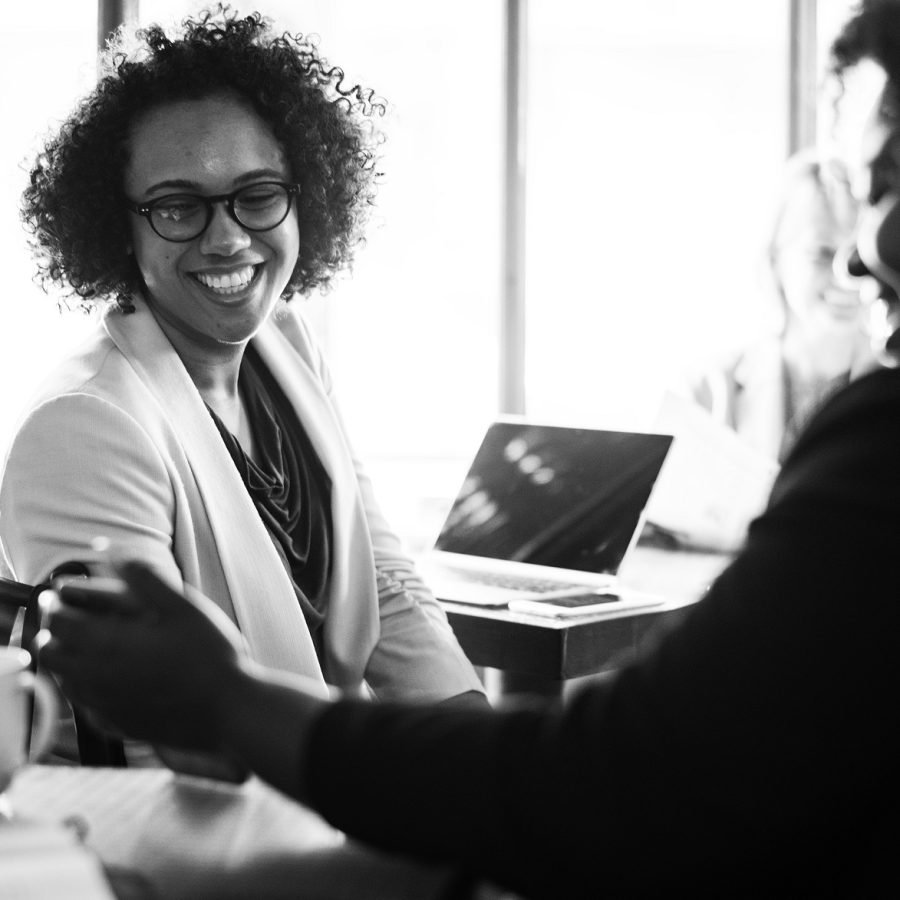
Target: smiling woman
(213, 264)
(211, 175)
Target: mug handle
(46, 711)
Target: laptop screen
(554, 496)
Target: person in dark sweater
(751, 751)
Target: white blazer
(119, 443)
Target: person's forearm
(265, 721)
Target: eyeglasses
(183, 217)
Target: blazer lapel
(264, 603)
(353, 615)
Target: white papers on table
(39, 861)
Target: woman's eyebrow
(278, 174)
(181, 183)
(193, 186)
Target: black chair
(20, 614)
(20, 621)
(20, 617)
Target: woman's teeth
(230, 283)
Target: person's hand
(153, 663)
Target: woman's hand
(153, 663)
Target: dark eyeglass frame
(146, 209)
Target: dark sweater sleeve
(750, 752)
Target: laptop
(545, 510)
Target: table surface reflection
(161, 835)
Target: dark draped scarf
(289, 487)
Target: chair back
(20, 611)
(20, 621)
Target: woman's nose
(225, 235)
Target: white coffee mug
(17, 685)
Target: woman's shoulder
(738, 367)
(94, 375)
(89, 365)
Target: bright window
(656, 136)
(46, 62)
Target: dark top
(289, 486)
(753, 751)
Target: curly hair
(72, 205)
(872, 32)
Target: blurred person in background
(770, 389)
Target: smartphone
(580, 604)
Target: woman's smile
(229, 284)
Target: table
(539, 655)
(160, 835)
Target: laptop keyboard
(525, 583)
